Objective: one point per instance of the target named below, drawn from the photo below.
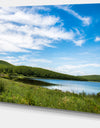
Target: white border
(44, 2)
(19, 116)
(24, 116)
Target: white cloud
(75, 69)
(86, 20)
(97, 39)
(20, 38)
(31, 31)
(31, 19)
(27, 60)
(54, 33)
(79, 42)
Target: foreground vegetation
(21, 93)
(16, 87)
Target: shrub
(98, 94)
(2, 85)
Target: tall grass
(2, 85)
(21, 93)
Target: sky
(64, 38)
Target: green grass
(2, 85)
(21, 93)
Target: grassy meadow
(20, 93)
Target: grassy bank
(29, 80)
(21, 93)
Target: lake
(73, 86)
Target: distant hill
(4, 63)
(92, 77)
(44, 73)
(6, 67)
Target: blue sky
(62, 38)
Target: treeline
(92, 77)
(35, 72)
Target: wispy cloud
(85, 19)
(76, 69)
(24, 18)
(97, 39)
(21, 30)
(79, 42)
(25, 60)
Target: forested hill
(7, 68)
(92, 77)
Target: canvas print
(50, 56)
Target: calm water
(74, 86)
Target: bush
(98, 94)
(2, 85)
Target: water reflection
(74, 86)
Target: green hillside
(8, 68)
(5, 67)
(92, 77)
(4, 63)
